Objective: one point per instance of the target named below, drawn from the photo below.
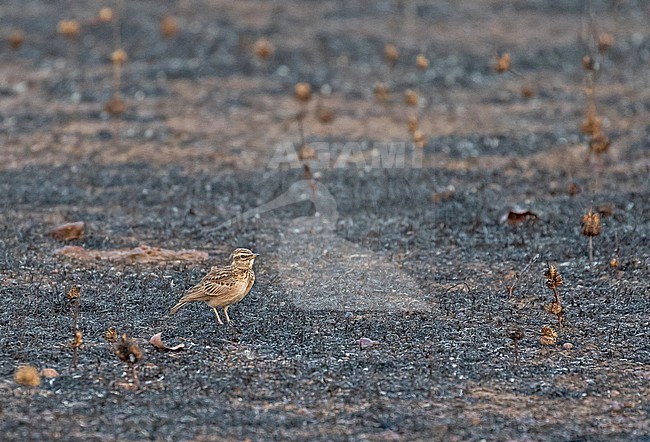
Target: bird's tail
(194, 294)
(177, 307)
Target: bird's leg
(217, 313)
(225, 310)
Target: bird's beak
(256, 255)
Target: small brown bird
(224, 286)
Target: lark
(223, 286)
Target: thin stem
(557, 297)
(75, 314)
(591, 253)
(301, 129)
(521, 274)
(134, 374)
(75, 348)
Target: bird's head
(243, 258)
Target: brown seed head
(325, 115)
(115, 106)
(263, 48)
(119, 57)
(418, 137)
(302, 92)
(605, 41)
(549, 336)
(588, 63)
(306, 153)
(573, 189)
(74, 293)
(128, 350)
(16, 39)
(614, 263)
(391, 54)
(554, 308)
(421, 62)
(503, 63)
(111, 334)
(411, 97)
(591, 224)
(599, 143)
(105, 15)
(553, 277)
(68, 28)
(78, 339)
(413, 124)
(382, 93)
(168, 26)
(515, 333)
(27, 376)
(527, 92)
(592, 124)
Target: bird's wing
(218, 281)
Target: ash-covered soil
(312, 353)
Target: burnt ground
(192, 151)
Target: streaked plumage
(223, 286)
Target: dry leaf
(49, 373)
(605, 209)
(515, 216)
(156, 341)
(69, 231)
(443, 195)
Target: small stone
(567, 346)
(367, 343)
